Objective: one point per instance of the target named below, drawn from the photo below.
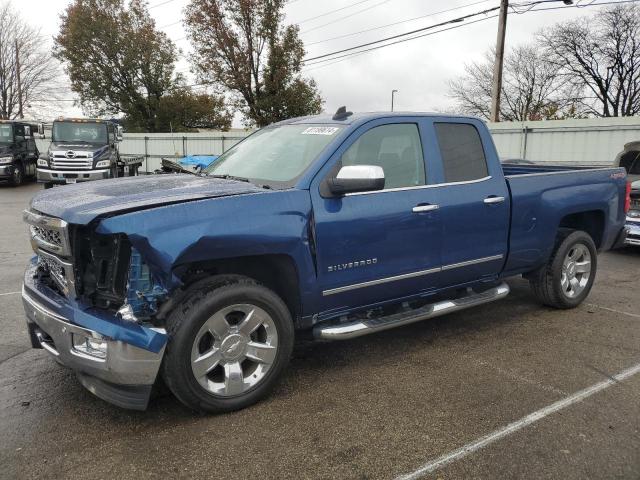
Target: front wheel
(18, 176)
(229, 342)
(567, 278)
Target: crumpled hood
(83, 202)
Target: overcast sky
(418, 69)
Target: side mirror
(357, 178)
(41, 130)
(119, 133)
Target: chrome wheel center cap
(233, 346)
(571, 269)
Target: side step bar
(358, 328)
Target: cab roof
(360, 117)
(82, 120)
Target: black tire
(47, 185)
(546, 282)
(187, 318)
(18, 176)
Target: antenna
(341, 113)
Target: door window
(396, 148)
(461, 151)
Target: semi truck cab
(18, 151)
(83, 150)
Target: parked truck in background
(629, 159)
(18, 151)
(340, 225)
(85, 149)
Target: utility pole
(496, 87)
(393, 92)
(19, 84)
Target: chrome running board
(358, 328)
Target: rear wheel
(567, 278)
(230, 341)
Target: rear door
(474, 202)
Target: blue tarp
(201, 161)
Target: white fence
(155, 146)
(594, 141)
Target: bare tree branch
(43, 84)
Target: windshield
(275, 154)
(69, 132)
(6, 134)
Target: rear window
(461, 151)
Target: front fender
(170, 236)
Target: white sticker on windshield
(320, 130)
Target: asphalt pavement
(508, 390)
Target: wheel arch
(589, 221)
(275, 271)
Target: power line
(170, 24)
(377, 47)
(332, 55)
(161, 4)
(397, 23)
(345, 17)
(592, 4)
(400, 35)
(332, 11)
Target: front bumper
(124, 376)
(6, 171)
(633, 235)
(67, 176)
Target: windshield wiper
(231, 177)
(241, 179)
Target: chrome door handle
(425, 208)
(491, 200)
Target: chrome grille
(53, 237)
(50, 240)
(48, 233)
(61, 272)
(71, 160)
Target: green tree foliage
(185, 111)
(243, 46)
(118, 62)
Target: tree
(242, 46)
(184, 111)
(531, 88)
(600, 54)
(119, 62)
(39, 73)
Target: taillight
(627, 198)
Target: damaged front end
(91, 301)
(114, 277)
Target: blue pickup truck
(338, 225)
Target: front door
(382, 245)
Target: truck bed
(544, 198)
(512, 169)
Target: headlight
(5, 160)
(43, 162)
(103, 163)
